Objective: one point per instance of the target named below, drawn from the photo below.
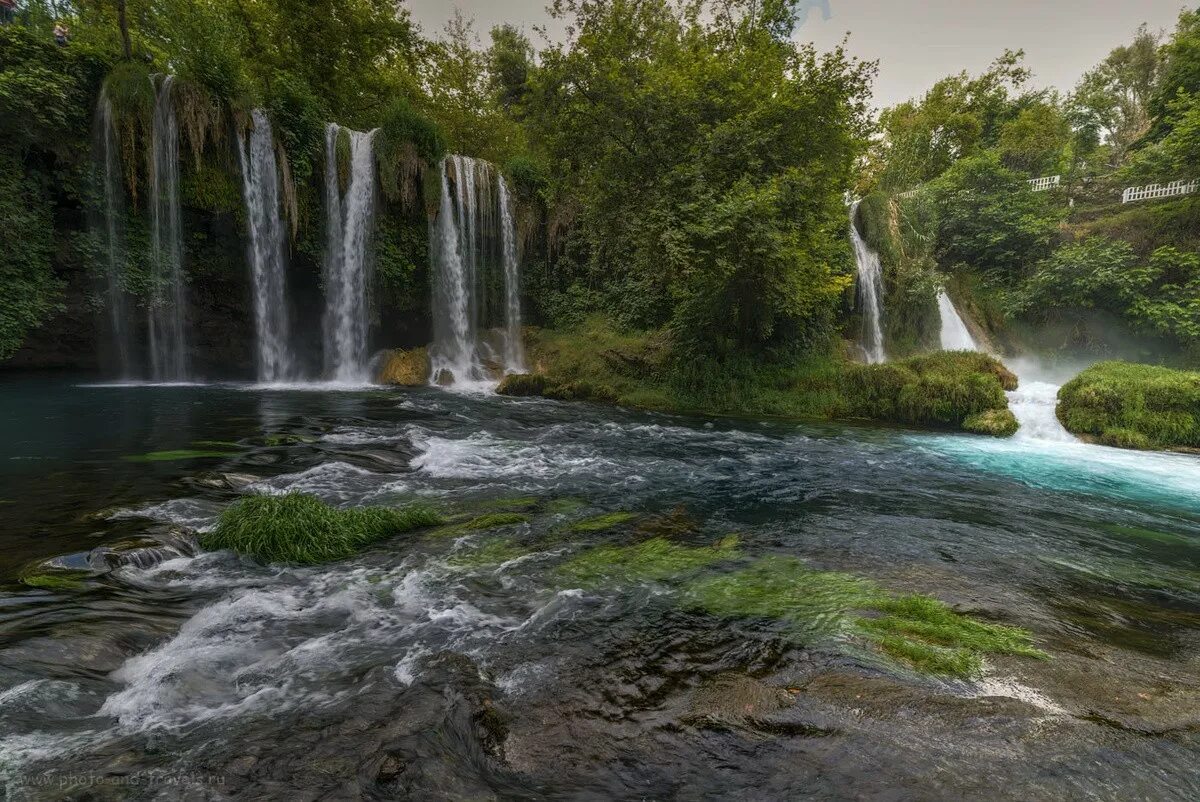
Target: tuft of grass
(522, 384)
(1133, 406)
(302, 529)
(179, 455)
(492, 520)
(54, 581)
(920, 631)
(654, 559)
(599, 523)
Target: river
(422, 670)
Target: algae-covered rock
(522, 384)
(994, 422)
(405, 368)
(655, 559)
(919, 631)
(493, 520)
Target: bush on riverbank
(299, 528)
(595, 363)
(1133, 406)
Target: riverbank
(943, 391)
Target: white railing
(911, 193)
(1170, 190)
(1043, 184)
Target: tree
(1034, 141)
(509, 62)
(1111, 103)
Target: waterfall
(514, 351)
(260, 184)
(1033, 403)
(347, 259)
(870, 292)
(167, 302)
(108, 175)
(473, 248)
(954, 334)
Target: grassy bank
(595, 363)
(1133, 406)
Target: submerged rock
(405, 368)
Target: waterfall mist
(870, 293)
(260, 184)
(166, 327)
(350, 219)
(476, 294)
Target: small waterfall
(954, 334)
(347, 259)
(167, 303)
(475, 275)
(260, 184)
(1033, 402)
(108, 175)
(514, 350)
(870, 293)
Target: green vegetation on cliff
(302, 529)
(1133, 406)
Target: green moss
(1133, 406)
(654, 559)
(512, 504)
(494, 552)
(55, 581)
(598, 523)
(493, 520)
(522, 384)
(214, 444)
(561, 506)
(994, 422)
(178, 455)
(299, 528)
(919, 631)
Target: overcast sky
(916, 43)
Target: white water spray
(260, 184)
(870, 293)
(954, 334)
(166, 329)
(347, 258)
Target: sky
(916, 43)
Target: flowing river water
(423, 669)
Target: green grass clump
(492, 520)
(920, 631)
(522, 384)
(1133, 406)
(654, 559)
(179, 455)
(599, 523)
(299, 528)
(54, 581)
(994, 422)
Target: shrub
(299, 528)
(996, 422)
(1133, 406)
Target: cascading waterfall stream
(514, 350)
(108, 175)
(166, 328)
(1033, 402)
(870, 293)
(473, 246)
(347, 260)
(260, 183)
